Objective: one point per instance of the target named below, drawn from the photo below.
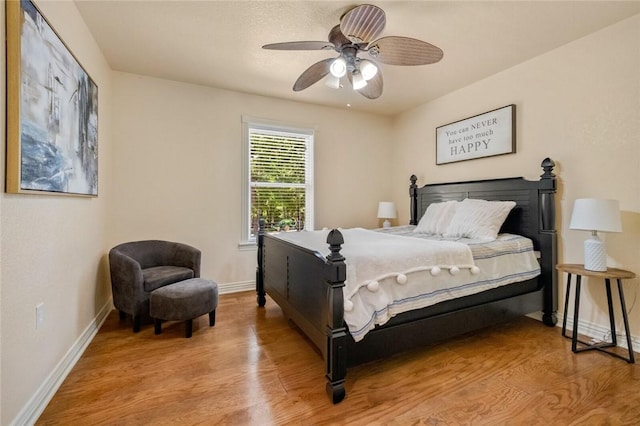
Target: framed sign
(484, 135)
(52, 110)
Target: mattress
(408, 284)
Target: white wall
(178, 167)
(53, 250)
(579, 105)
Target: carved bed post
(547, 229)
(413, 194)
(262, 300)
(336, 355)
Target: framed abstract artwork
(52, 110)
(484, 135)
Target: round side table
(608, 275)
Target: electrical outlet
(40, 315)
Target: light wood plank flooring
(253, 367)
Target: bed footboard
(308, 289)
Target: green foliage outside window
(278, 180)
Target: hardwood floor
(253, 367)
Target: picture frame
(52, 110)
(484, 135)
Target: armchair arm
(188, 257)
(126, 282)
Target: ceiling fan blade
(373, 89)
(337, 38)
(299, 45)
(363, 23)
(312, 74)
(404, 51)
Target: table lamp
(386, 211)
(593, 214)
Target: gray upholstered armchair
(139, 267)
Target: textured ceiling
(218, 43)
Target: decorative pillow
(480, 219)
(437, 217)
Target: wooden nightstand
(608, 275)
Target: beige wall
(579, 105)
(170, 168)
(178, 175)
(53, 248)
(3, 95)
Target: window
(278, 178)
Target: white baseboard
(38, 402)
(601, 333)
(236, 287)
(596, 331)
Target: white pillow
(479, 219)
(437, 217)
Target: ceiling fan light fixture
(368, 69)
(357, 33)
(358, 80)
(332, 81)
(338, 67)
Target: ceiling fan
(357, 33)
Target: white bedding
(396, 270)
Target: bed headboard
(532, 217)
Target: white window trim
(246, 242)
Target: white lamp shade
(594, 214)
(358, 80)
(386, 210)
(338, 68)
(332, 81)
(368, 69)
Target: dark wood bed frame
(308, 287)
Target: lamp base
(386, 224)
(595, 254)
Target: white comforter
(390, 274)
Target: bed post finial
(335, 241)
(547, 194)
(336, 346)
(547, 165)
(262, 300)
(413, 194)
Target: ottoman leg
(136, 323)
(212, 318)
(157, 326)
(188, 325)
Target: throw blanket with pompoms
(376, 260)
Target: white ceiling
(218, 43)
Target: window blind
(280, 179)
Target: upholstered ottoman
(184, 301)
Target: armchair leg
(136, 323)
(188, 326)
(212, 318)
(122, 314)
(157, 326)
